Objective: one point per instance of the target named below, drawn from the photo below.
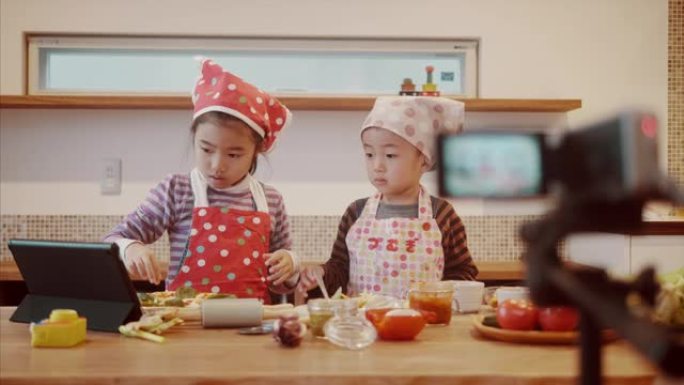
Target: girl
(401, 234)
(228, 232)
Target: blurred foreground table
(454, 354)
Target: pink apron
(226, 246)
(387, 255)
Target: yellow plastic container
(63, 329)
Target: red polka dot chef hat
(417, 119)
(219, 90)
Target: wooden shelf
(322, 103)
(500, 270)
(660, 228)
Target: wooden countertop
(9, 271)
(489, 270)
(442, 355)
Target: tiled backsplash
(675, 94)
(489, 237)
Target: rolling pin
(232, 312)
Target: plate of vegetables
(183, 303)
(520, 321)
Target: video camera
(604, 173)
(615, 158)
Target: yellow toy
(63, 329)
(429, 88)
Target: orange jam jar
(433, 300)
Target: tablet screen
(86, 276)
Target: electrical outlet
(110, 184)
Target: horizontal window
(166, 65)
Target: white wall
(610, 54)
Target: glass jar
(434, 298)
(347, 329)
(320, 311)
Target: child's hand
(307, 280)
(280, 267)
(141, 262)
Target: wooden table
(191, 355)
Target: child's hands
(280, 267)
(141, 262)
(307, 280)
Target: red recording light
(649, 126)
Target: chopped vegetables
(185, 292)
(669, 307)
(182, 297)
(149, 327)
(175, 301)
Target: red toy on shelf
(408, 88)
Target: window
(117, 65)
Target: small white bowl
(467, 296)
(505, 293)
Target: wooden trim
(25, 64)
(660, 228)
(500, 270)
(322, 103)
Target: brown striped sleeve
(458, 263)
(337, 267)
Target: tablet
(87, 277)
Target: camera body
(613, 159)
(606, 172)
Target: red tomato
(517, 314)
(558, 319)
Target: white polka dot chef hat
(417, 119)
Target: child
(401, 234)
(228, 232)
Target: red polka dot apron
(387, 255)
(226, 246)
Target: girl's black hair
(222, 119)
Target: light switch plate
(110, 182)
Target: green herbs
(184, 292)
(182, 297)
(146, 299)
(150, 327)
(670, 302)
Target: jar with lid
(347, 329)
(434, 297)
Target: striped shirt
(458, 264)
(168, 207)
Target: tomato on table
(558, 318)
(517, 314)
